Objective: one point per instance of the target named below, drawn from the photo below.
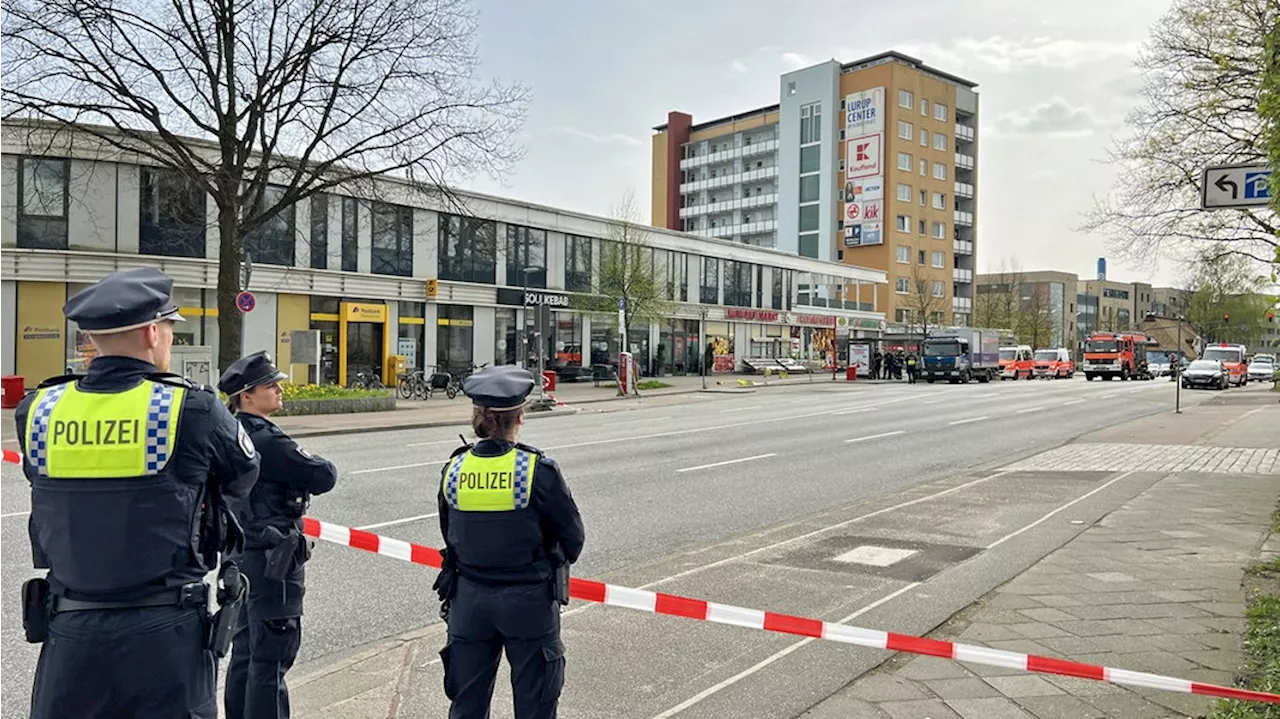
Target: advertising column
(864, 168)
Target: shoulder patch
(246, 444)
(179, 381)
(60, 379)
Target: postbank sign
(357, 312)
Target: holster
(561, 576)
(220, 530)
(281, 554)
(36, 609)
(446, 582)
(233, 590)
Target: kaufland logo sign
(862, 156)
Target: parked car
(1262, 369)
(1209, 374)
(1054, 364)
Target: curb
(424, 424)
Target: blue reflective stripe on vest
(38, 439)
(523, 475)
(451, 481)
(158, 421)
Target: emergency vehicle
(1016, 361)
(1054, 364)
(1232, 358)
(1116, 354)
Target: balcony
(740, 203)
(963, 161)
(711, 158)
(962, 304)
(963, 247)
(964, 190)
(965, 133)
(763, 173)
(961, 275)
(964, 219)
(745, 228)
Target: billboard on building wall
(862, 156)
(864, 112)
(872, 233)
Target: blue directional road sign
(1238, 186)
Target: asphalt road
(650, 482)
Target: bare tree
(1224, 301)
(1269, 110)
(239, 96)
(1034, 319)
(998, 297)
(922, 302)
(1203, 74)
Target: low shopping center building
(407, 274)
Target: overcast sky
(1055, 80)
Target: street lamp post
(537, 331)
(702, 354)
(1177, 370)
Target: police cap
(123, 301)
(248, 372)
(500, 388)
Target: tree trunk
(229, 316)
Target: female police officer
(509, 522)
(271, 630)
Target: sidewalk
(1155, 586)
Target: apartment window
(526, 249)
(924, 167)
(939, 231)
(809, 188)
(43, 200)
(577, 264)
(392, 240)
(904, 130)
(939, 142)
(467, 248)
(172, 216)
(350, 234)
(940, 112)
(905, 99)
(904, 223)
(904, 255)
(776, 280)
(811, 123)
(904, 161)
(937, 288)
(810, 159)
(273, 242)
(737, 283)
(809, 245)
(902, 286)
(939, 201)
(319, 231)
(924, 137)
(920, 257)
(924, 198)
(904, 193)
(924, 107)
(939, 171)
(921, 226)
(939, 259)
(709, 291)
(759, 286)
(809, 218)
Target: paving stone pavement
(1116, 457)
(1154, 586)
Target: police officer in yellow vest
(128, 467)
(511, 529)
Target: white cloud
(1013, 55)
(1055, 117)
(794, 60)
(738, 67)
(607, 138)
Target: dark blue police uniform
(503, 540)
(275, 550)
(126, 466)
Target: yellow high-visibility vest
(91, 435)
(490, 484)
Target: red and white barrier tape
(677, 606)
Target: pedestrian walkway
(1155, 587)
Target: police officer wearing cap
(267, 642)
(511, 528)
(128, 466)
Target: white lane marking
(1030, 409)
(728, 461)
(1074, 401)
(716, 688)
(1041, 520)
(876, 436)
(740, 409)
(429, 444)
(637, 421)
(394, 522)
(857, 411)
(14, 514)
(988, 394)
(967, 421)
(1108, 396)
(654, 435)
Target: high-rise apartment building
(871, 163)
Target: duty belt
(188, 596)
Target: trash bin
(13, 387)
(851, 373)
(549, 381)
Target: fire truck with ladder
(1116, 354)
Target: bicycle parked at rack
(451, 382)
(366, 380)
(414, 384)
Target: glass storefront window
(720, 347)
(568, 341)
(411, 345)
(454, 338)
(604, 340)
(506, 336)
(678, 350)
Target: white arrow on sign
(1229, 186)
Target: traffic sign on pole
(1235, 186)
(245, 301)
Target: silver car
(1261, 370)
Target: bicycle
(456, 380)
(366, 380)
(413, 385)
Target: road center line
(429, 444)
(1074, 401)
(716, 688)
(1108, 396)
(1030, 409)
(739, 409)
(728, 461)
(394, 522)
(876, 436)
(967, 421)
(857, 411)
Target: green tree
(1225, 303)
(264, 103)
(1203, 73)
(1269, 111)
